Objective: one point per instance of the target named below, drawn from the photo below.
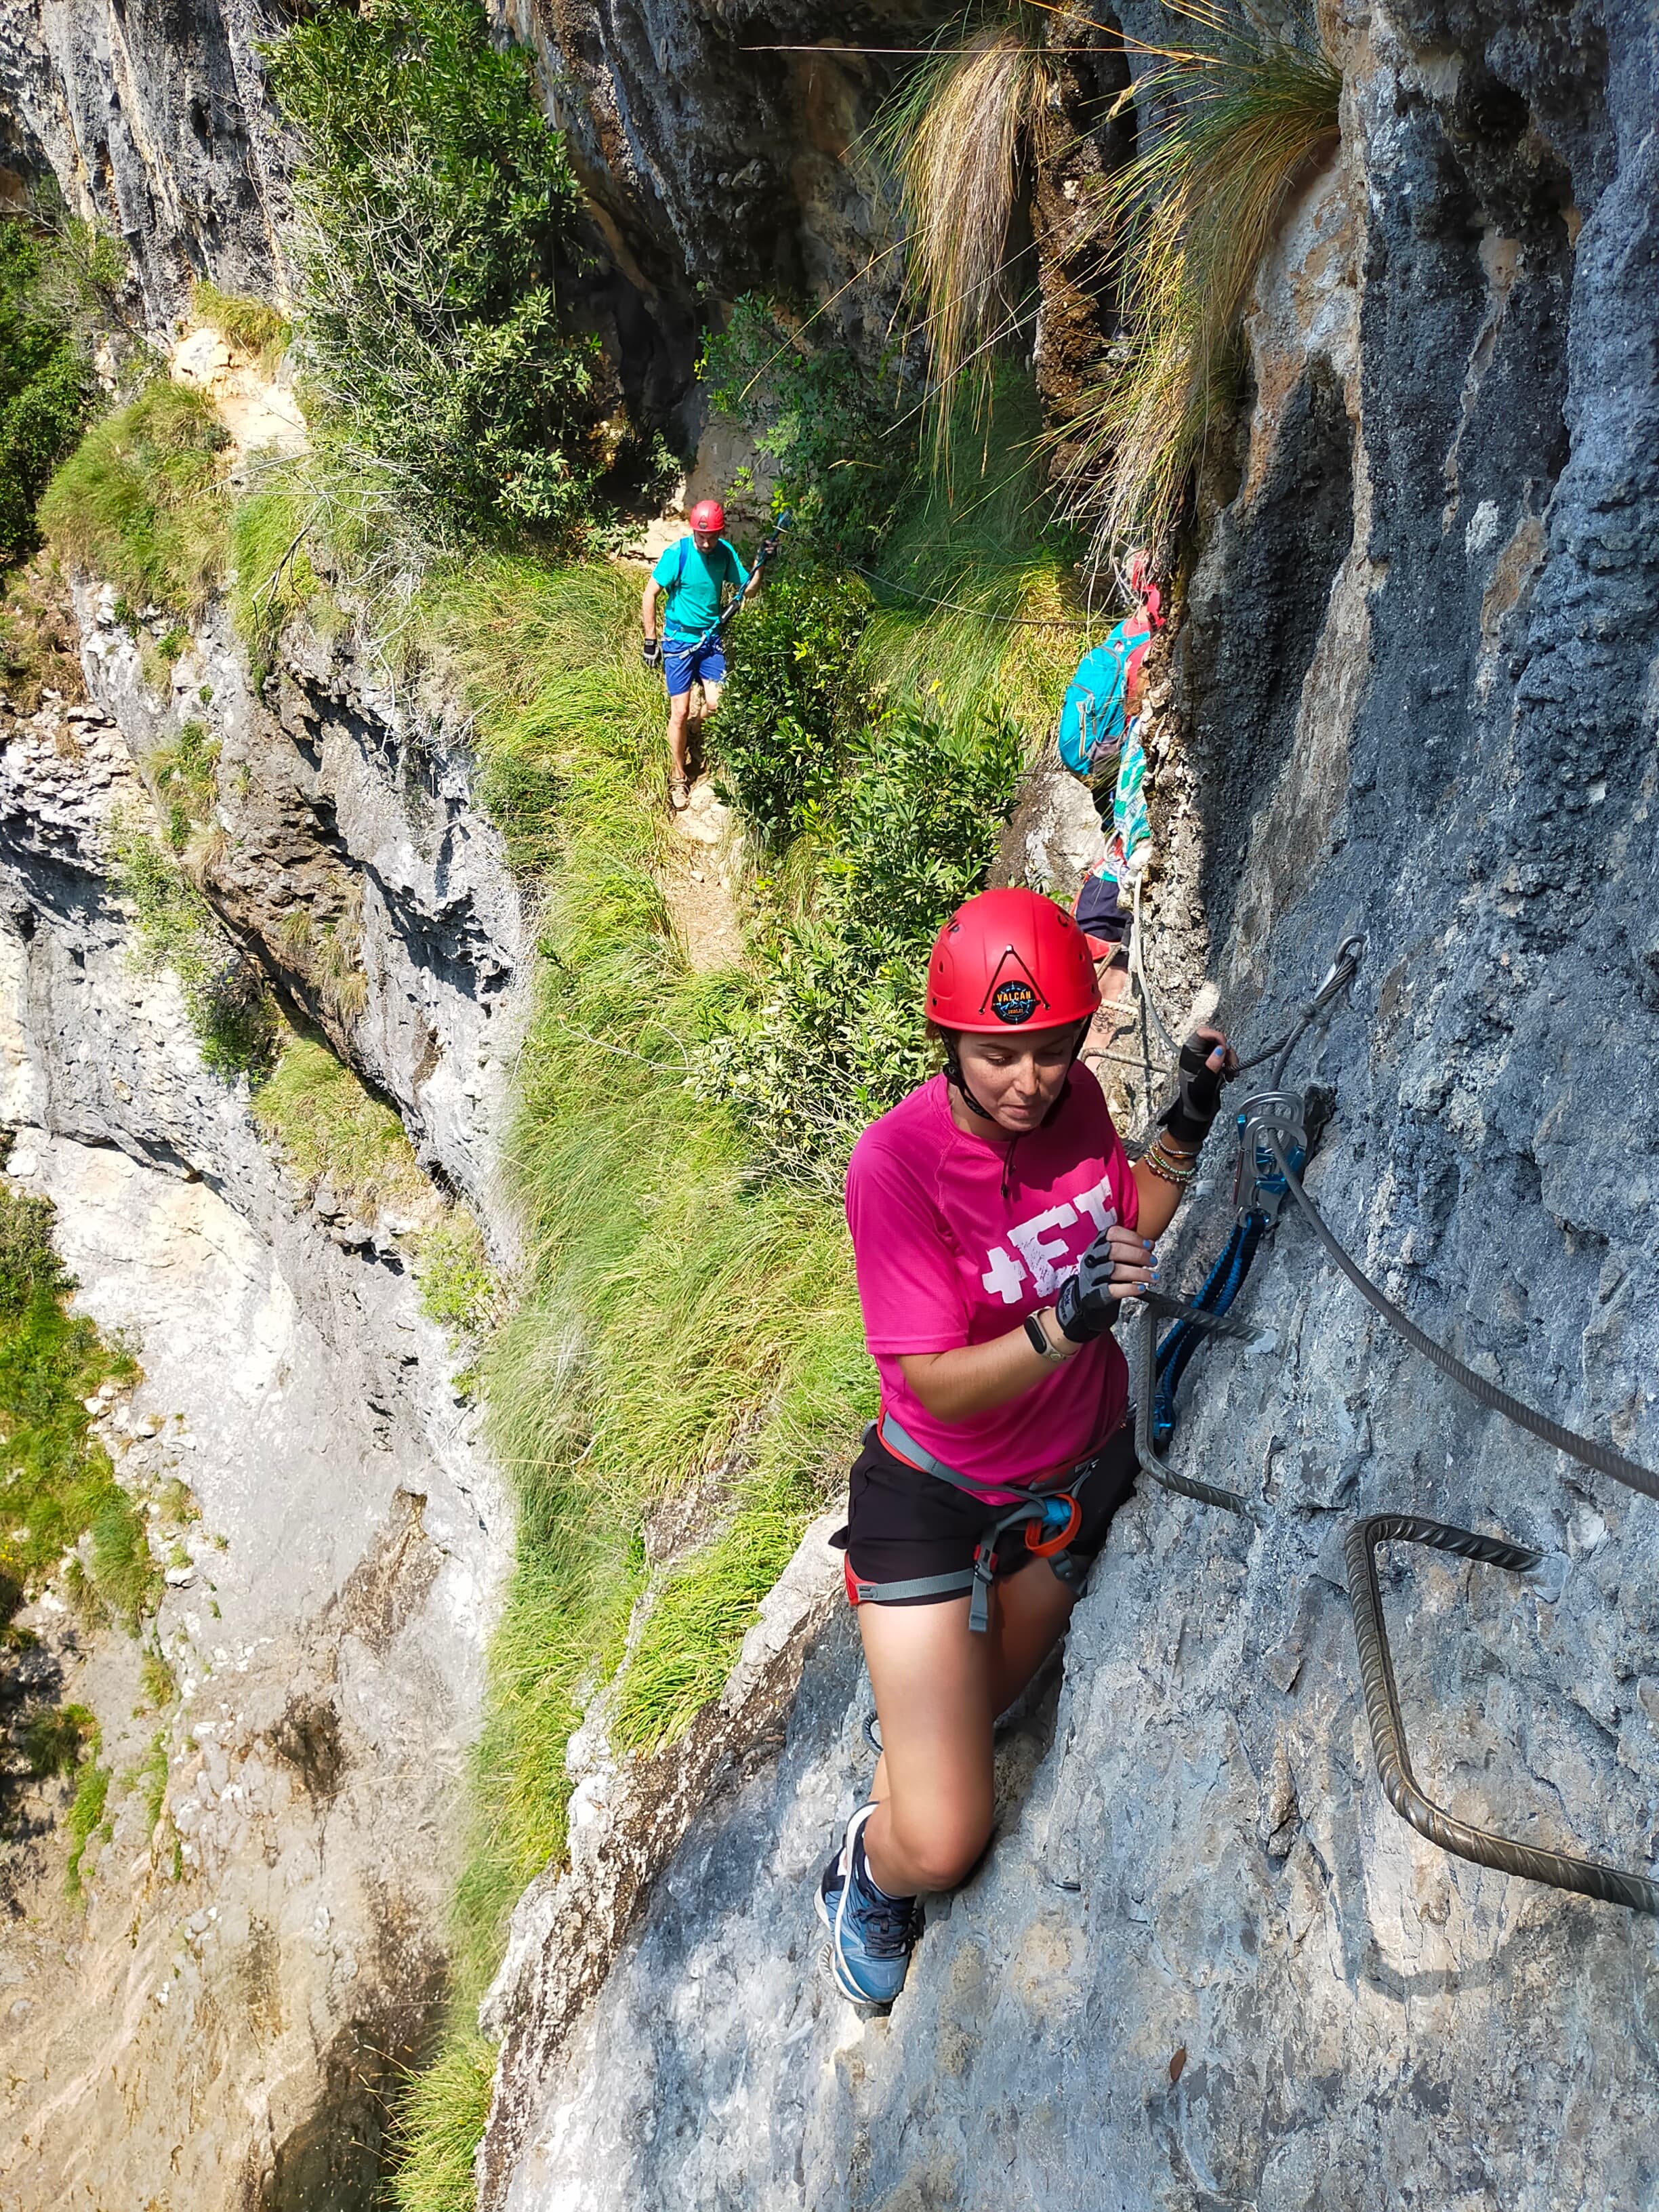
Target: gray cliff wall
(261, 1953)
(156, 121)
(1204, 1963)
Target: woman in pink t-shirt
(996, 1223)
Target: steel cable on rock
(1585, 1449)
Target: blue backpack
(1091, 720)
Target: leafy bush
(458, 1286)
(140, 503)
(793, 699)
(47, 391)
(226, 996)
(435, 205)
(831, 1038)
(842, 439)
(185, 776)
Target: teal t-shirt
(694, 604)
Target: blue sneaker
(870, 1934)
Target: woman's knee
(941, 1851)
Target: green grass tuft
(327, 1121)
(229, 1005)
(141, 502)
(86, 1813)
(274, 580)
(252, 326)
(439, 2127)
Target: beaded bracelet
(1164, 1165)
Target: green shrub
(185, 776)
(458, 1288)
(47, 391)
(830, 1038)
(793, 698)
(842, 438)
(435, 206)
(140, 503)
(328, 1122)
(226, 996)
(57, 1480)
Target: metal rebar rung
(1393, 1767)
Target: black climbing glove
(651, 653)
(1198, 1101)
(1086, 1306)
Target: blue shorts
(684, 662)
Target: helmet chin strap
(954, 1076)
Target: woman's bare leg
(939, 1688)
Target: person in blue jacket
(693, 574)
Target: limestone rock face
(157, 121)
(260, 1951)
(1204, 1963)
(345, 853)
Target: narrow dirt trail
(697, 882)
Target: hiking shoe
(870, 1934)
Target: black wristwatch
(1038, 1338)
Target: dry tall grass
(958, 137)
(1179, 235)
(1184, 229)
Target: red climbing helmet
(1007, 959)
(707, 514)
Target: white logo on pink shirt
(1038, 1252)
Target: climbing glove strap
(1085, 1307)
(1198, 1101)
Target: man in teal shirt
(693, 574)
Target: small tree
(47, 391)
(434, 206)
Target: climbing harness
(1273, 1146)
(1050, 1518)
(1560, 1869)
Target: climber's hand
(1118, 1264)
(1207, 1061)
(651, 653)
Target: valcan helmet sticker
(1013, 997)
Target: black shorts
(903, 1524)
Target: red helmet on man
(708, 514)
(1009, 960)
